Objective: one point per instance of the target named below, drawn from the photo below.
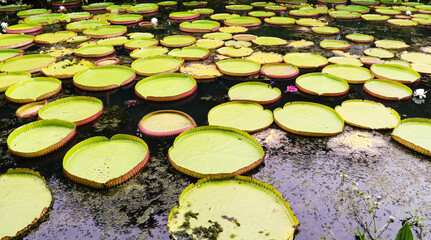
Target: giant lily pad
(222, 16)
(390, 12)
(105, 31)
(391, 44)
(14, 8)
(200, 71)
(279, 70)
(334, 44)
(238, 67)
(322, 84)
(235, 52)
(368, 114)
(8, 79)
(79, 110)
(265, 57)
(209, 43)
(33, 90)
(269, 41)
(141, 43)
(51, 38)
(227, 216)
(325, 30)
(8, 41)
(85, 25)
(344, 15)
(24, 28)
(115, 41)
(183, 15)
(78, 39)
(218, 36)
(94, 51)
(395, 72)
(148, 52)
(143, 8)
(261, 14)
(75, 16)
(308, 13)
(45, 19)
(126, 19)
(97, 6)
(242, 21)
(30, 109)
(414, 133)
(239, 8)
(416, 57)
(246, 116)
(226, 152)
(353, 8)
(190, 53)
(40, 138)
(378, 52)
(6, 54)
(101, 78)
(100, 162)
(402, 22)
(361, 38)
(165, 123)
(375, 17)
(257, 92)
(282, 21)
(25, 198)
(159, 64)
(200, 26)
(66, 68)
(32, 12)
(178, 41)
(310, 22)
(305, 60)
(166, 87)
(346, 61)
(309, 119)
(352, 74)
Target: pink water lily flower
(291, 89)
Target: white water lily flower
(420, 93)
(154, 21)
(61, 8)
(408, 13)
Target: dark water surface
(305, 170)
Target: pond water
(306, 171)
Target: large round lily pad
(218, 36)
(178, 41)
(305, 60)
(387, 89)
(165, 123)
(257, 92)
(79, 110)
(352, 74)
(100, 162)
(346, 61)
(25, 198)
(101, 78)
(379, 52)
(75, 16)
(265, 57)
(334, 44)
(166, 87)
(66, 68)
(309, 119)
(200, 26)
(201, 71)
(40, 138)
(32, 12)
(22, 28)
(190, 53)
(269, 41)
(361, 38)
(416, 57)
(45, 19)
(126, 19)
(322, 84)
(51, 38)
(97, 6)
(228, 215)
(94, 51)
(158, 64)
(246, 116)
(10, 78)
(226, 152)
(85, 25)
(368, 114)
(235, 52)
(27, 63)
(105, 31)
(148, 52)
(242, 21)
(282, 21)
(8, 41)
(395, 72)
(279, 70)
(414, 133)
(209, 43)
(238, 67)
(375, 17)
(391, 44)
(183, 15)
(141, 43)
(31, 90)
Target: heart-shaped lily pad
(33, 90)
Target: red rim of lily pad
(40, 124)
(107, 61)
(84, 51)
(371, 60)
(360, 38)
(171, 41)
(11, 53)
(244, 37)
(168, 133)
(191, 57)
(334, 45)
(24, 40)
(279, 70)
(212, 26)
(135, 43)
(30, 109)
(259, 84)
(388, 82)
(144, 72)
(374, 69)
(31, 28)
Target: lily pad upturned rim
(239, 7)
(28, 40)
(134, 18)
(53, 59)
(243, 180)
(273, 21)
(236, 73)
(167, 57)
(165, 134)
(408, 143)
(32, 12)
(166, 41)
(308, 133)
(379, 75)
(212, 26)
(24, 82)
(97, 6)
(40, 124)
(288, 76)
(44, 210)
(75, 17)
(21, 111)
(192, 58)
(332, 44)
(107, 87)
(74, 99)
(354, 37)
(75, 26)
(26, 74)
(325, 30)
(32, 27)
(216, 128)
(112, 61)
(402, 22)
(347, 78)
(129, 44)
(18, 53)
(400, 85)
(344, 15)
(112, 182)
(251, 21)
(110, 50)
(188, 15)
(44, 41)
(344, 82)
(395, 114)
(264, 85)
(121, 30)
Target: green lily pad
(218, 36)
(75, 16)
(200, 26)
(375, 17)
(272, 7)
(14, 7)
(346, 61)
(79, 110)
(209, 43)
(227, 152)
(305, 60)
(242, 21)
(402, 22)
(81, 26)
(32, 12)
(257, 92)
(183, 15)
(115, 41)
(178, 41)
(325, 30)
(353, 8)
(148, 52)
(195, 3)
(310, 22)
(344, 15)
(378, 52)
(140, 35)
(167, 3)
(309, 119)
(280, 21)
(414, 133)
(201, 71)
(395, 72)
(94, 51)
(322, 84)
(66, 68)
(203, 11)
(399, 62)
(265, 57)
(8, 79)
(261, 14)
(22, 28)
(6, 54)
(246, 116)
(269, 41)
(371, 60)
(40, 138)
(101, 78)
(165, 123)
(8, 41)
(99, 162)
(279, 70)
(222, 16)
(52, 38)
(226, 217)
(143, 8)
(32, 90)
(422, 21)
(190, 53)
(391, 44)
(368, 114)
(416, 57)
(27, 63)
(97, 6)
(166, 87)
(235, 52)
(154, 65)
(126, 19)
(310, 13)
(239, 8)
(25, 198)
(361, 38)
(238, 67)
(390, 12)
(105, 31)
(30, 109)
(334, 44)
(237, 44)
(45, 19)
(141, 43)
(352, 74)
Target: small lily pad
(178, 41)
(94, 51)
(105, 31)
(269, 41)
(279, 70)
(165, 123)
(238, 67)
(30, 109)
(148, 52)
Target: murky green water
(304, 170)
